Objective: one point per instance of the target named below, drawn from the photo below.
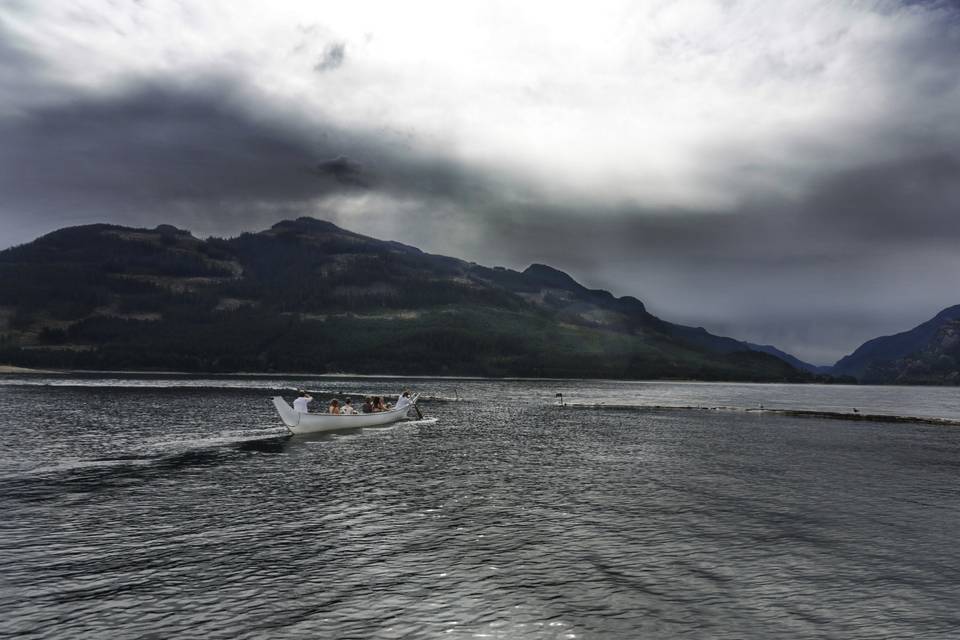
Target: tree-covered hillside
(308, 296)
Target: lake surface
(174, 506)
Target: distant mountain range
(308, 296)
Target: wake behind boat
(299, 422)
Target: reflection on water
(179, 507)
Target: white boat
(315, 422)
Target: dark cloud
(146, 151)
(916, 197)
(332, 58)
(197, 154)
(343, 170)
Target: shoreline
(12, 369)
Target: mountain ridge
(307, 295)
(925, 354)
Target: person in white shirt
(300, 404)
(347, 408)
(403, 400)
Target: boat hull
(316, 422)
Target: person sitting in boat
(367, 405)
(378, 404)
(303, 399)
(335, 407)
(347, 408)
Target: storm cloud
(332, 58)
(784, 174)
(344, 170)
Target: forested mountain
(927, 354)
(308, 296)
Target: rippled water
(175, 507)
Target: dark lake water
(175, 507)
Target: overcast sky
(782, 172)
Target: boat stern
(290, 417)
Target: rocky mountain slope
(927, 354)
(306, 295)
